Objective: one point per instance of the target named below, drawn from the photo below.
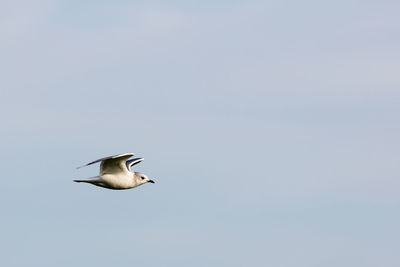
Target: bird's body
(115, 173)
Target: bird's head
(142, 178)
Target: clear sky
(271, 129)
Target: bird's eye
(142, 178)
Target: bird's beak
(151, 181)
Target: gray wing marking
(131, 162)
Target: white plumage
(115, 173)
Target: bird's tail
(92, 180)
(81, 181)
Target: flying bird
(115, 173)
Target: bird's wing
(131, 162)
(115, 164)
(112, 164)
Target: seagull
(115, 173)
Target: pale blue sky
(271, 130)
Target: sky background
(271, 129)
